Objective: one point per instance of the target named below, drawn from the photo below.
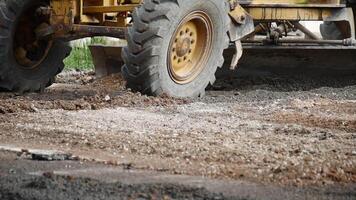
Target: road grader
(174, 47)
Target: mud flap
(107, 59)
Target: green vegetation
(80, 57)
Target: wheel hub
(183, 46)
(29, 51)
(190, 47)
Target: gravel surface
(23, 178)
(286, 129)
(17, 182)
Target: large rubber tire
(13, 76)
(330, 31)
(354, 11)
(154, 24)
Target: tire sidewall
(354, 13)
(215, 9)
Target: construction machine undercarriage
(173, 47)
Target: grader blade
(107, 59)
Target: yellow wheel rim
(29, 51)
(190, 47)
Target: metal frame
(73, 19)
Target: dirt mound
(82, 91)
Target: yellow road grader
(173, 47)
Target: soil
(288, 129)
(48, 185)
(22, 178)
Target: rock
(48, 155)
(25, 150)
(107, 98)
(33, 108)
(88, 79)
(48, 174)
(127, 166)
(323, 137)
(2, 110)
(277, 170)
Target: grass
(80, 57)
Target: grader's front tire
(27, 64)
(175, 47)
(339, 30)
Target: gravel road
(286, 129)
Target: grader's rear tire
(338, 30)
(175, 47)
(354, 12)
(27, 63)
(330, 31)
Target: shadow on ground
(288, 70)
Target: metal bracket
(238, 15)
(237, 56)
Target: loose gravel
(270, 129)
